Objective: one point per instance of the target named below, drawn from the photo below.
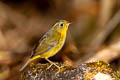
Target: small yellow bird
(50, 43)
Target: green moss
(43, 68)
(96, 67)
(85, 71)
(116, 75)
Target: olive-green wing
(44, 45)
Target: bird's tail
(25, 64)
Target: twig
(107, 54)
(108, 28)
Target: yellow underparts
(54, 50)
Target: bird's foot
(59, 67)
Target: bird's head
(61, 26)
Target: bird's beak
(69, 23)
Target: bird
(50, 43)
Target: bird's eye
(61, 25)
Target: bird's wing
(44, 45)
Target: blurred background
(93, 35)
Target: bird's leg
(49, 66)
(52, 63)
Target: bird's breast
(57, 48)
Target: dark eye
(61, 25)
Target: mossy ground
(84, 71)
